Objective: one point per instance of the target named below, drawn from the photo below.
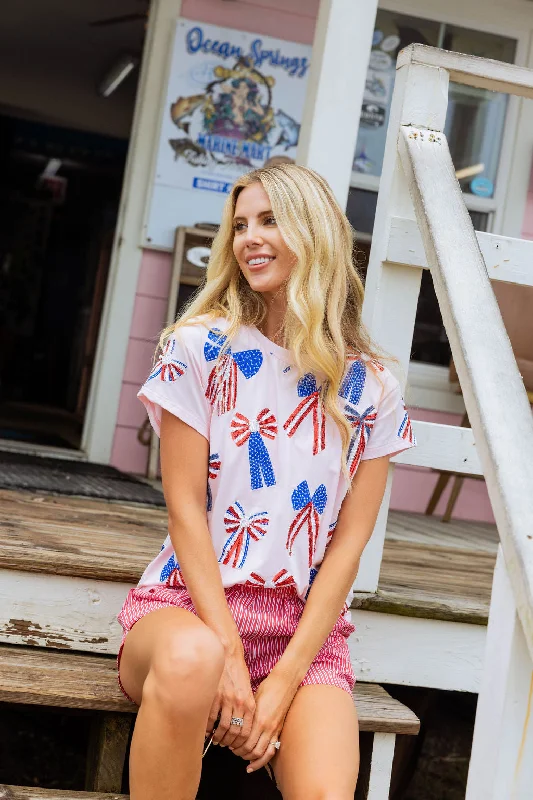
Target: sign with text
(233, 101)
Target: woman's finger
(213, 716)
(262, 753)
(223, 725)
(247, 746)
(244, 732)
(260, 748)
(234, 729)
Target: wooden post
(341, 49)
(381, 766)
(501, 764)
(107, 751)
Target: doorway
(64, 131)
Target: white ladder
(422, 222)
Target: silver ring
(276, 744)
(237, 721)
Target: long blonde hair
(322, 325)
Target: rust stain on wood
(22, 627)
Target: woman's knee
(185, 669)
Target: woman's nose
(253, 235)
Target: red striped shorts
(266, 620)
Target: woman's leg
(171, 666)
(319, 754)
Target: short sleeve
(392, 431)
(176, 384)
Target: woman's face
(264, 258)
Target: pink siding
(293, 20)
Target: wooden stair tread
(77, 536)
(32, 793)
(99, 540)
(74, 680)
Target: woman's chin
(263, 283)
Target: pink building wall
(293, 20)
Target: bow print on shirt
(167, 367)
(405, 430)
(242, 530)
(311, 404)
(309, 508)
(214, 469)
(222, 383)
(243, 430)
(281, 580)
(353, 382)
(171, 574)
(363, 425)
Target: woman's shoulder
(196, 331)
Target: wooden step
(31, 793)
(74, 680)
(429, 569)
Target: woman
(268, 391)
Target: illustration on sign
(245, 106)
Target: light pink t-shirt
(275, 484)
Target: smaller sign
(211, 185)
(373, 115)
(390, 43)
(482, 187)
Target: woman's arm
(335, 577)
(338, 570)
(184, 470)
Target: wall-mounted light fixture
(118, 72)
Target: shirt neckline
(275, 349)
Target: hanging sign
(233, 101)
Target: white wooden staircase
(422, 222)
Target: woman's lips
(259, 267)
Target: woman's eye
(270, 221)
(239, 226)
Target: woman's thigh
(167, 635)
(319, 753)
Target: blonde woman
(268, 392)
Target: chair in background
(516, 306)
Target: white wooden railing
(422, 222)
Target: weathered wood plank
(36, 676)
(32, 793)
(409, 651)
(45, 677)
(74, 536)
(380, 713)
(60, 611)
(507, 259)
(432, 582)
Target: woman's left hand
(272, 702)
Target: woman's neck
(272, 325)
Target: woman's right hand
(234, 698)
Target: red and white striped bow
(265, 424)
